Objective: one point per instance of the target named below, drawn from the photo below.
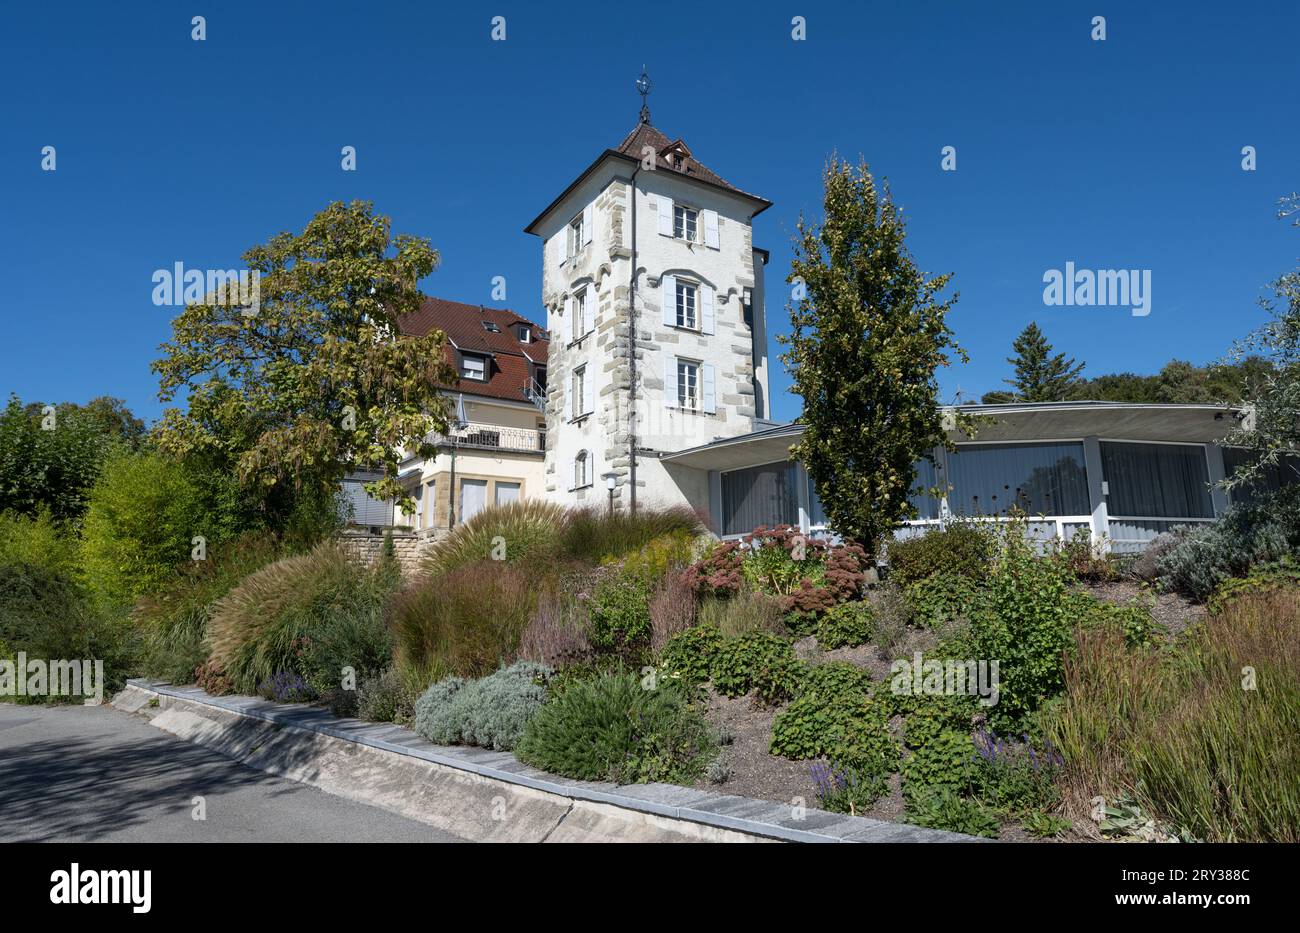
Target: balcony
(493, 437)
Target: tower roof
(672, 156)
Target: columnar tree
(1040, 376)
(868, 335)
(1271, 431)
(311, 381)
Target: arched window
(581, 470)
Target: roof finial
(643, 88)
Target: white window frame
(580, 314)
(688, 385)
(524, 333)
(686, 223)
(577, 392)
(687, 301)
(576, 232)
(582, 469)
(466, 370)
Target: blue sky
(1117, 154)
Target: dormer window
(685, 222)
(524, 333)
(473, 367)
(676, 155)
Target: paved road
(95, 774)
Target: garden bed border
(653, 812)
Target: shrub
(846, 626)
(1013, 778)
(962, 549)
(492, 711)
(212, 680)
(556, 633)
(174, 621)
(1146, 565)
(837, 716)
(759, 662)
(144, 513)
(747, 611)
(466, 622)
(611, 728)
(593, 535)
(286, 687)
(942, 808)
(1086, 559)
(1025, 621)
(666, 554)
(943, 761)
(845, 790)
(942, 597)
(892, 617)
(47, 615)
(619, 614)
(311, 615)
(1133, 618)
(1202, 559)
(690, 655)
(527, 530)
(1278, 575)
(39, 541)
(672, 608)
(387, 697)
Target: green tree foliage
(50, 459)
(315, 383)
(1040, 376)
(1275, 431)
(1179, 381)
(143, 516)
(868, 334)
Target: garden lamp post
(610, 480)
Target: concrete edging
(477, 793)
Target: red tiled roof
(647, 135)
(508, 359)
(644, 134)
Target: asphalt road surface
(95, 774)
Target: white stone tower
(699, 370)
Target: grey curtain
(1156, 480)
(762, 495)
(989, 479)
(1275, 477)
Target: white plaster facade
(586, 283)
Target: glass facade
(1040, 479)
(1284, 473)
(1156, 480)
(761, 495)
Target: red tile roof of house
(509, 372)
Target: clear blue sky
(1115, 154)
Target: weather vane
(643, 88)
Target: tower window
(579, 393)
(581, 470)
(575, 235)
(580, 314)
(685, 220)
(688, 382)
(686, 316)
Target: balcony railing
(493, 437)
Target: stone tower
(697, 370)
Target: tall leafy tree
(51, 455)
(1271, 431)
(315, 381)
(868, 335)
(1040, 375)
